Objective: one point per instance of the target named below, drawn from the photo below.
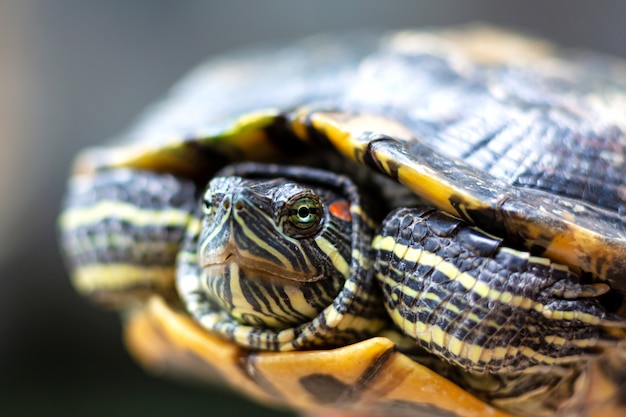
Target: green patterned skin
(251, 271)
(481, 305)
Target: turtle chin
(259, 298)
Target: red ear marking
(341, 209)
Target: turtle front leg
(490, 311)
(121, 230)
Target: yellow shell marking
(159, 335)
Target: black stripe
(327, 389)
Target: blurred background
(74, 73)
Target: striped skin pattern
(278, 275)
(482, 306)
(488, 140)
(541, 393)
(121, 232)
(247, 272)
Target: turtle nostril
(238, 205)
(226, 204)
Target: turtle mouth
(258, 268)
(255, 293)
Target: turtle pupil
(305, 214)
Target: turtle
(421, 222)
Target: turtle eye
(305, 214)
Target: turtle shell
(509, 133)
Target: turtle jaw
(260, 268)
(258, 297)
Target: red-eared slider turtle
(419, 223)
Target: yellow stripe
(469, 282)
(518, 254)
(83, 216)
(194, 226)
(476, 354)
(118, 277)
(339, 262)
(253, 237)
(187, 257)
(261, 243)
(216, 231)
(358, 211)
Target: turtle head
(274, 252)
